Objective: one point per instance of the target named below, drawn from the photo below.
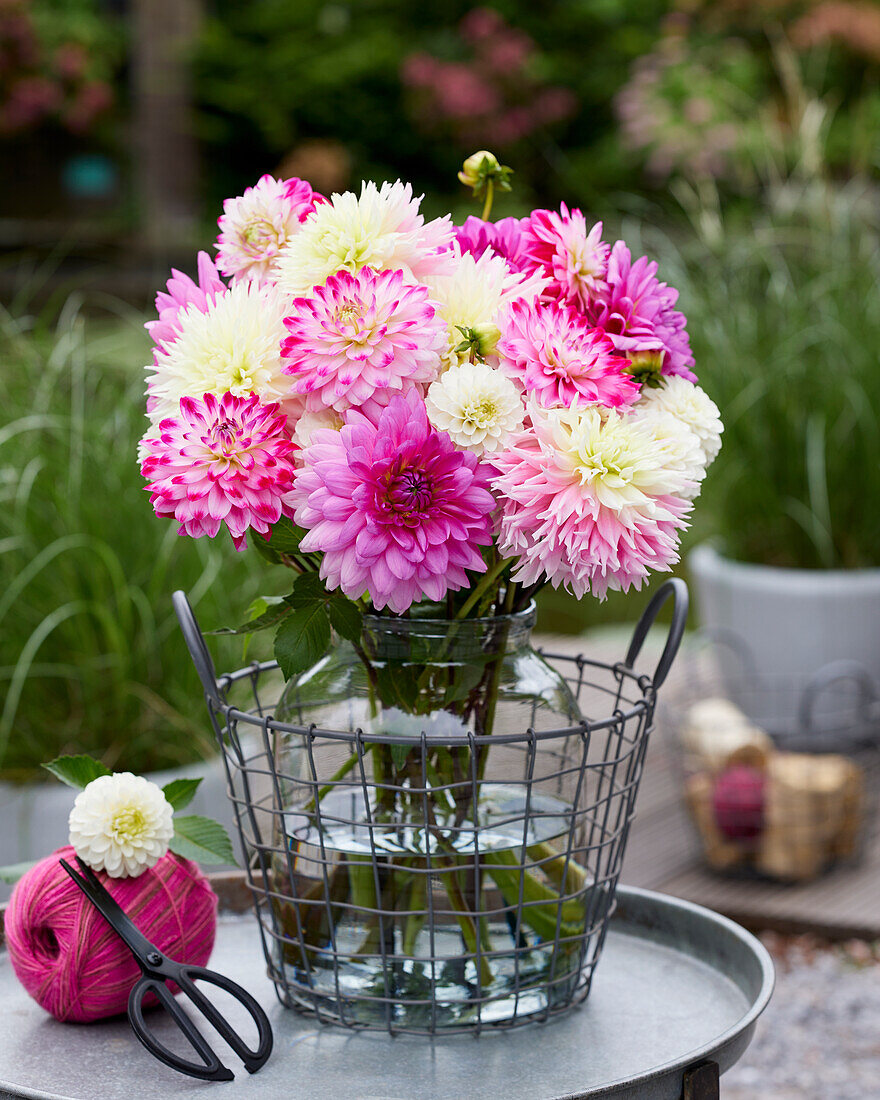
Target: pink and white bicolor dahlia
(637, 311)
(255, 226)
(397, 511)
(589, 501)
(554, 353)
(574, 260)
(361, 333)
(221, 461)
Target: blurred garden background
(737, 141)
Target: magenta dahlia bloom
(554, 353)
(361, 333)
(574, 260)
(506, 238)
(588, 501)
(397, 511)
(182, 292)
(221, 461)
(637, 311)
(255, 226)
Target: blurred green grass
(91, 658)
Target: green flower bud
(646, 367)
(482, 168)
(478, 167)
(479, 340)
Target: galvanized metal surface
(678, 985)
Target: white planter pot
(794, 621)
(33, 816)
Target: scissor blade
(110, 910)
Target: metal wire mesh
(469, 918)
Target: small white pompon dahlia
(690, 404)
(380, 228)
(477, 406)
(121, 824)
(232, 346)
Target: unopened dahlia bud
(477, 167)
(482, 168)
(479, 340)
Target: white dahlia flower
(679, 444)
(472, 294)
(380, 228)
(121, 824)
(476, 405)
(233, 346)
(691, 405)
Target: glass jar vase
(433, 886)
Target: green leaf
(303, 638)
(201, 839)
(286, 536)
(179, 792)
(76, 771)
(307, 588)
(400, 751)
(274, 609)
(12, 872)
(345, 618)
(264, 548)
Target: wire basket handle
(677, 589)
(195, 643)
(837, 672)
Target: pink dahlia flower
(555, 354)
(182, 292)
(588, 501)
(221, 461)
(637, 311)
(506, 238)
(574, 260)
(359, 334)
(397, 511)
(255, 226)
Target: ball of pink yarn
(67, 956)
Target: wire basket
(779, 774)
(534, 870)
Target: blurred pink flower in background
(494, 97)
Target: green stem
(490, 195)
(541, 903)
(418, 902)
(468, 925)
(486, 582)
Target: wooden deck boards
(663, 853)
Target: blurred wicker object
(778, 778)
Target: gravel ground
(820, 1036)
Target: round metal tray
(678, 986)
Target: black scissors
(157, 970)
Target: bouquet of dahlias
(422, 412)
(425, 423)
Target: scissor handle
(185, 977)
(210, 1068)
(677, 589)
